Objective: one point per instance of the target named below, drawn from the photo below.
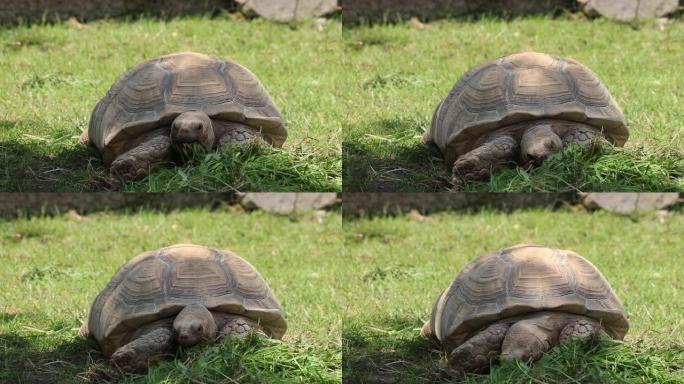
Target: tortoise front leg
(238, 326)
(477, 352)
(140, 160)
(582, 327)
(581, 134)
(234, 133)
(479, 163)
(137, 355)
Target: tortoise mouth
(190, 151)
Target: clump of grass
(250, 167)
(254, 359)
(598, 167)
(597, 359)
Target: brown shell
(155, 92)
(158, 284)
(520, 280)
(521, 87)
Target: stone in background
(287, 10)
(630, 203)
(628, 10)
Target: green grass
(403, 263)
(51, 77)
(399, 74)
(55, 266)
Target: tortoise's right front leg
(144, 350)
(477, 352)
(139, 161)
(479, 163)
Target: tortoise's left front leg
(234, 133)
(238, 326)
(579, 134)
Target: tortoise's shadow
(397, 162)
(390, 350)
(28, 360)
(30, 167)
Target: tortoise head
(193, 325)
(538, 143)
(193, 127)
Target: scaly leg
(479, 163)
(580, 135)
(238, 326)
(477, 352)
(235, 134)
(137, 355)
(137, 162)
(578, 328)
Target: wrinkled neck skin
(193, 127)
(193, 325)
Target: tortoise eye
(198, 127)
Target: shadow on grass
(25, 359)
(35, 168)
(397, 162)
(474, 14)
(389, 351)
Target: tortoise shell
(157, 285)
(521, 87)
(153, 93)
(519, 280)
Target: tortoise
(184, 294)
(522, 108)
(517, 303)
(164, 104)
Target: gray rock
(628, 10)
(629, 203)
(286, 10)
(285, 203)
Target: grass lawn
(404, 262)
(53, 267)
(400, 73)
(51, 77)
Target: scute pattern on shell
(153, 93)
(521, 87)
(519, 280)
(157, 285)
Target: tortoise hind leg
(479, 163)
(137, 355)
(477, 352)
(140, 160)
(84, 139)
